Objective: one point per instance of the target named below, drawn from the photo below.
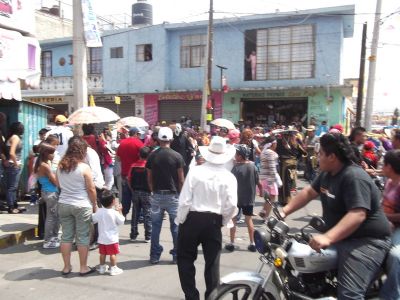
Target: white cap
(165, 134)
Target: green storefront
(261, 107)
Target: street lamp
(222, 68)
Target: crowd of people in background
(145, 168)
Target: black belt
(164, 192)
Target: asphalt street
(28, 271)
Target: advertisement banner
(18, 15)
(90, 27)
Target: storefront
(287, 105)
(171, 107)
(126, 107)
(58, 105)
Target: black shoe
(230, 247)
(252, 248)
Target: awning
(19, 60)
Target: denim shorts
(75, 223)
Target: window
(193, 49)
(45, 63)
(117, 52)
(144, 52)
(280, 53)
(95, 61)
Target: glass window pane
(302, 33)
(301, 52)
(284, 53)
(273, 37)
(284, 71)
(261, 54)
(302, 69)
(262, 37)
(185, 57)
(284, 35)
(273, 71)
(261, 71)
(273, 54)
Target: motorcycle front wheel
(241, 292)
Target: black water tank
(142, 13)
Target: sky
(387, 92)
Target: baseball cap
(61, 119)
(134, 130)
(165, 134)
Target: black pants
(205, 229)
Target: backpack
(139, 179)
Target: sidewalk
(16, 228)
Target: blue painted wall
(163, 73)
(126, 75)
(57, 53)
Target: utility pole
(207, 69)
(372, 68)
(80, 97)
(360, 94)
(221, 68)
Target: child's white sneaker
(114, 270)
(102, 269)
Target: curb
(9, 240)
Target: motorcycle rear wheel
(240, 292)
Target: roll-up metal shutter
(170, 110)
(126, 108)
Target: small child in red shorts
(108, 218)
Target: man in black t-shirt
(355, 223)
(165, 176)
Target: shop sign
(280, 94)
(180, 96)
(47, 100)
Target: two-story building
(282, 67)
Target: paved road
(30, 272)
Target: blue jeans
(141, 201)
(12, 175)
(126, 197)
(391, 288)
(359, 262)
(160, 204)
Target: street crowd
(87, 183)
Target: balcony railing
(66, 83)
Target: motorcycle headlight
(261, 239)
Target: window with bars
(117, 52)
(285, 53)
(144, 52)
(193, 49)
(46, 63)
(95, 61)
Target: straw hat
(218, 152)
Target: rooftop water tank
(142, 13)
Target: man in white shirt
(207, 202)
(62, 132)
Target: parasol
(132, 122)
(92, 115)
(223, 123)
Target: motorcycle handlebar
(274, 206)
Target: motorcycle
(289, 269)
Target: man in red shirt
(128, 153)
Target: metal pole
(360, 94)
(221, 68)
(207, 70)
(372, 68)
(80, 97)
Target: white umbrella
(132, 122)
(92, 115)
(223, 123)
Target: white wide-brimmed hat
(218, 152)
